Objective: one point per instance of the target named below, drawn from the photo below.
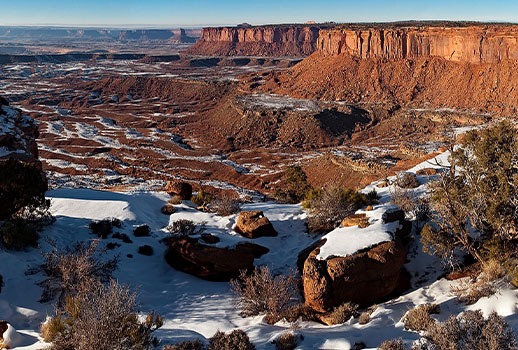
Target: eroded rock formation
(285, 40)
(253, 224)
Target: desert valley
(290, 186)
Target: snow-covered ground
(193, 308)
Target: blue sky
(174, 13)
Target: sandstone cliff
(473, 44)
(286, 40)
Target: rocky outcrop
(253, 224)
(366, 277)
(187, 254)
(285, 40)
(473, 44)
(21, 177)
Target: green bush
(295, 186)
(478, 193)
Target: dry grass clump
(394, 344)
(235, 340)
(262, 292)
(72, 268)
(168, 209)
(341, 314)
(365, 317)
(225, 205)
(419, 319)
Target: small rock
(253, 224)
(359, 220)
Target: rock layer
(286, 40)
(473, 44)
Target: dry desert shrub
(225, 205)
(262, 292)
(186, 345)
(407, 180)
(73, 268)
(100, 316)
(184, 227)
(470, 331)
(469, 292)
(331, 205)
(235, 340)
(342, 313)
(394, 344)
(299, 311)
(419, 319)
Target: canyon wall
(283, 40)
(473, 44)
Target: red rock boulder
(179, 188)
(211, 263)
(253, 224)
(364, 278)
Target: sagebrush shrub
(235, 340)
(331, 206)
(342, 313)
(471, 331)
(101, 316)
(419, 319)
(184, 227)
(104, 227)
(71, 269)
(394, 344)
(195, 344)
(262, 292)
(225, 205)
(407, 180)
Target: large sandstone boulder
(187, 254)
(364, 278)
(179, 188)
(253, 224)
(22, 180)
